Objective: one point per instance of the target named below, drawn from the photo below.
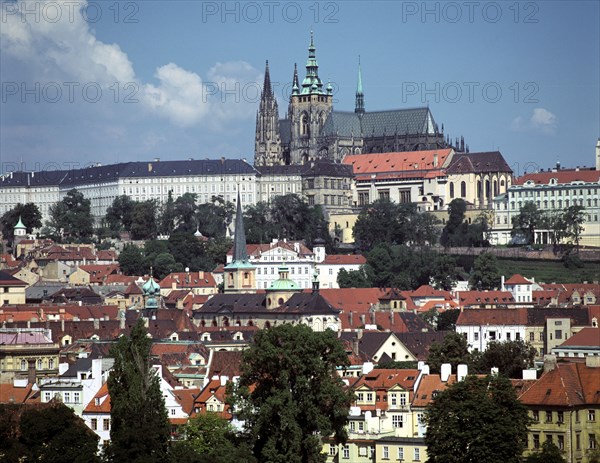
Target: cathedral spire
(295, 84)
(311, 83)
(359, 106)
(267, 89)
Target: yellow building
(564, 406)
(27, 353)
(12, 290)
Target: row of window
(592, 444)
(386, 453)
(554, 192)
(535, 414)
(105, 424)
(40, 364)
(65, 397)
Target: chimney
(435, 160)
(425, 369)
(502, 283)
(462, 371)
(445, 372)
(530, 374)
(62, 325)
(367, 368)
(494, 371)
(355, 347)
(224, 380)
(592, 361)
(96, 324)
(350, 318)
(122, 322)
(549, 362)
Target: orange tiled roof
(427, 386)
(429, 291)
(11, 394)
(567, 385)
(562, 176)
(476, 298)
(404, 161)
(478, 317)
(340, 259)
(102, 405)
(587, 337)
(517, 279)
(189, 280)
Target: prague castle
(312, 129)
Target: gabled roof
(100, 403)
(427, 386)
(9, 393)
(567, 385)
(563, 176)
(478, 298)
(427, 291)
(491, 161)
(517, 279)
(419, 342)
(340, 259)
(586, 337)
(99, 272)
(477, 317)
(398, 164)
(189, 280)
(8, 280)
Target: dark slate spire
(295, 83)
(267, 89)
(359, 106)
(240, 254)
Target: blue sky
(114, 81)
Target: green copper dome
(20, 224)
(283, 283)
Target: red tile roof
(476, 317)
(9, 393)
(478, 298)
(517, 279)
(102, 404)
(339, 259)
(586, 337)
(189, 280)
(430, 292)
(98, 273)
(398, 164)
(427, 386)
(562, 176)
(568, 385)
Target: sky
(116, 81)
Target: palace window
(397, 421)
(404, 195)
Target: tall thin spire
(295, 83)
(240, 254)
(312, 83)
(267, 89)
(359, 106)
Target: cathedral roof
(492, 161)
(379, 123)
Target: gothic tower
(267, 148)
(309, 107)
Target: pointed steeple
(267, 89)
(311, 83)
(240, 254)
(295, 83)
(359, 106)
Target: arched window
(452, 189)
(463, 189)
(304, 124)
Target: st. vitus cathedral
(313, 130)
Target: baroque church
(313, 130)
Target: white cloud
(541, 120)
(67, 50)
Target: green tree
(210, 439)
(216, 250)
(446, 321)
(186, 249)
(423, 229)
(549, 453)
(30, 216)
(454, 350)
(140, 429)
(167, 216)
(377, 223)
(510, 357)
(477, 420)
(164, 264)
(131, 261)
(527, 221)
(485, 274)
(51, 433)
(353, 278)
(297, 398)
(574, 218)
(143, 220)
(213, 218)
(119, 214)
(444, 274)
(258, 223)
(452, 234)
(185, 209)
(72, 217)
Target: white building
(552, 192)
(330, 266)
(482, 326)
(139, 180)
